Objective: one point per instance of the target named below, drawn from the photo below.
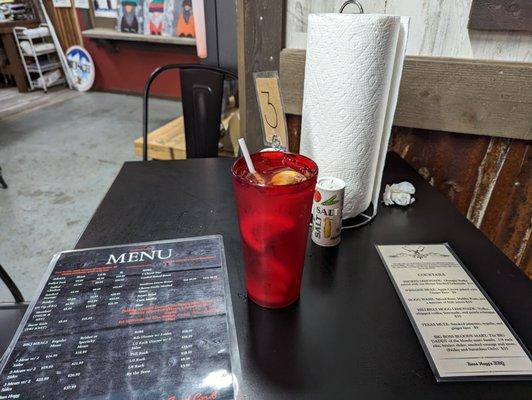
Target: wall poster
(62, 3)
(82, 4)
(156, 17)
(105, 8)
(130, 16)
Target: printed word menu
(463, 334)
(143, 321)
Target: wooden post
(260, 25)
(66, 24)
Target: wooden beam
(259, 43)
(453, 95)
(511, 15)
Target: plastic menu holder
(144, 320)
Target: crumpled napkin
(399, 193)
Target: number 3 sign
(271, 109)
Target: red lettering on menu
(202, 396)
(168, 312)
(84, 271)
(175, 261)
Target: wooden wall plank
(293, 124)
(452, 95)
(259, 43)
(297, 12)
(438, 28)
(511, 15)
(292, 77)
(66, 24)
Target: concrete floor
(59, 162)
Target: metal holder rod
(354, 2)
(3, 183)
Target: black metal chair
(3, 183)
(17, 295)
(201, 95)
(10, 313)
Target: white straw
(245, 153)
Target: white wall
(437, 28)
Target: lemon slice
(287, 177)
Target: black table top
(348, 336)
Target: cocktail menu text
(463, 334)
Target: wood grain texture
(293, 124)
(437, 28)
(492, 176)
(511, 15)
(260, 40)
(14, 105)
(14, 67)
(463, 96)
(66, 24)
(168, 142)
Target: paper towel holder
(364, 218)
(354, 2)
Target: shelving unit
(112, 40)
(39, 57)
(111, 34)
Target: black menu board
(141, 321)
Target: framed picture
(130, 16)
(184, 19)
(105, 8)
(156, 17)
(61, 3)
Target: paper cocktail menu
(147, 320)
(463, 334)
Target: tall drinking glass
(274, 223)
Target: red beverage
(274, 222)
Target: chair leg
(145, 105)
(11, 285)
(2, 181)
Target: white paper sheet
(462, 332)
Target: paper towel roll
(352, 74)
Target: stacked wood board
(168, 141)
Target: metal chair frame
(149, 83)
(17, 295)
(3, 183)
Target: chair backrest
(201, 94)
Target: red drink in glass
(274, 223)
